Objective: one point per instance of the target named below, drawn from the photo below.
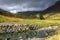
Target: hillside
(53, 12)
(9, 19)
(54, 9)
(6, 13)
(49, 13)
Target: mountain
(54, 8)
(32, 14)
(5, 13)
(53, 12)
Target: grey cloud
(26, 5)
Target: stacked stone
(34, 27)
(17, 27)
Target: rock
(33, 27)
(23, 27)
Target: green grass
(42, 22)
(55, 16)
(9, 19)
(52, 20)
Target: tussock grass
(9, 19)
(55, 16)
(46, 22)
(42, 22)
(55, 37)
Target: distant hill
(5, 13)
(50, 11)
(53, 12)
(32, 14)
(54, 8)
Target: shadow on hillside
(55, 9)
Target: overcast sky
(25, 5)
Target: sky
(25, 5)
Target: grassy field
(55, 16)
(51, 20)
(9, 19)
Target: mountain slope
(6, 13)
(53, 12)
(54, 8)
